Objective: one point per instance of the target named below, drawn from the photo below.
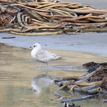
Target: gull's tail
(59, 57)
(55, 57)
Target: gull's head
(36, 45)
(36, 89)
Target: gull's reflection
(41, 81)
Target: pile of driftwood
(49, 18)
(92, 85)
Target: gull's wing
(45, 56)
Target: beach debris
(69, 105)
(92, 85)
(8, 37)
(92, 66)
(50, 17)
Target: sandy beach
(17, 68)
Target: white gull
(41, 55)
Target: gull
(41, 55)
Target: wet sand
(17, 69)
(94, 43)
(98, 4)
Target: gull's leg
(47, 67)
(40, 68)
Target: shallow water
(17, 69)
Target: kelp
(41, 17)
(92, 85)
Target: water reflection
(67, 68)
(41, 81)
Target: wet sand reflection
(17, 69)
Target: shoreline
(93, 43)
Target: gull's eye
(34, 91)
(34, 45)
